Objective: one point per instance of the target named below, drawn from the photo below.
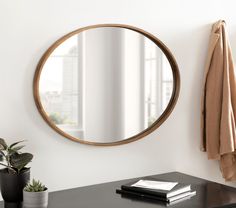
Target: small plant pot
(12, 184)
(35, 199)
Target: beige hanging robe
(219, 103)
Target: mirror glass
(105, 84)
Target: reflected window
(62, 95)
(158, 82)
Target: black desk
(209, 195)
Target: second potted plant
(35, 195)
(15, 175)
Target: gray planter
(35, 199)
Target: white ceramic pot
(35, 199)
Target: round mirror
(106, 84)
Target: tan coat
(219, 103)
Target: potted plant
(35, 194)
(15, 175)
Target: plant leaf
(3, 164)
(18, 148)
(19, 161)
(11, 151)
(2, 155)
(14, 144)
(10, 169)
(3, 144)
(14, 150)
(1, 158)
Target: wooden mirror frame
(154, 126)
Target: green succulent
(12, 158)
(35, 186)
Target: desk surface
(209, 195)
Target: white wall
(29, 27)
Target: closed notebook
(177, 189)
(179, 197)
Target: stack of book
(153, 189)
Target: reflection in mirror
(105, 84)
